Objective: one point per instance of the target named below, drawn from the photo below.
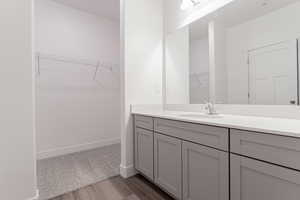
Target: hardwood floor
(117, 188)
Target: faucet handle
(210, 108)
(206, 105)
(209, 105)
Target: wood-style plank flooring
(117, 188)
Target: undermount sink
(200, 115)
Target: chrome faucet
(210, 107)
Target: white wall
(199, 71)
(74, 112)
(17, 147)
(280, 25)
(199, 54)
(177, 55)
(220, 62)
(142, 61)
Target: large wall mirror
(187, 65)
(245, 53)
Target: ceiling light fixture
(187, 4)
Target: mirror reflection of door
(272, 74)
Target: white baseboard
(75, 148)
(36, 197)
(127, 171)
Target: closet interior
(77, 93)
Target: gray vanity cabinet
(194, 162)
(167, 164)
(205, 173)
(144, 152)
(256, 180)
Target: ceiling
(105, 8)
(237, 12)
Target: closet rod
(70, 60)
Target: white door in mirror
(272, 77)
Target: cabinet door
(256, 180)
(205, 173)
(144, 152)
(167, 164)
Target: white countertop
(278, 126)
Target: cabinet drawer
(143, 122)
(215, 137)
(276, 149)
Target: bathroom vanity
(247, 65)
(213, 159)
